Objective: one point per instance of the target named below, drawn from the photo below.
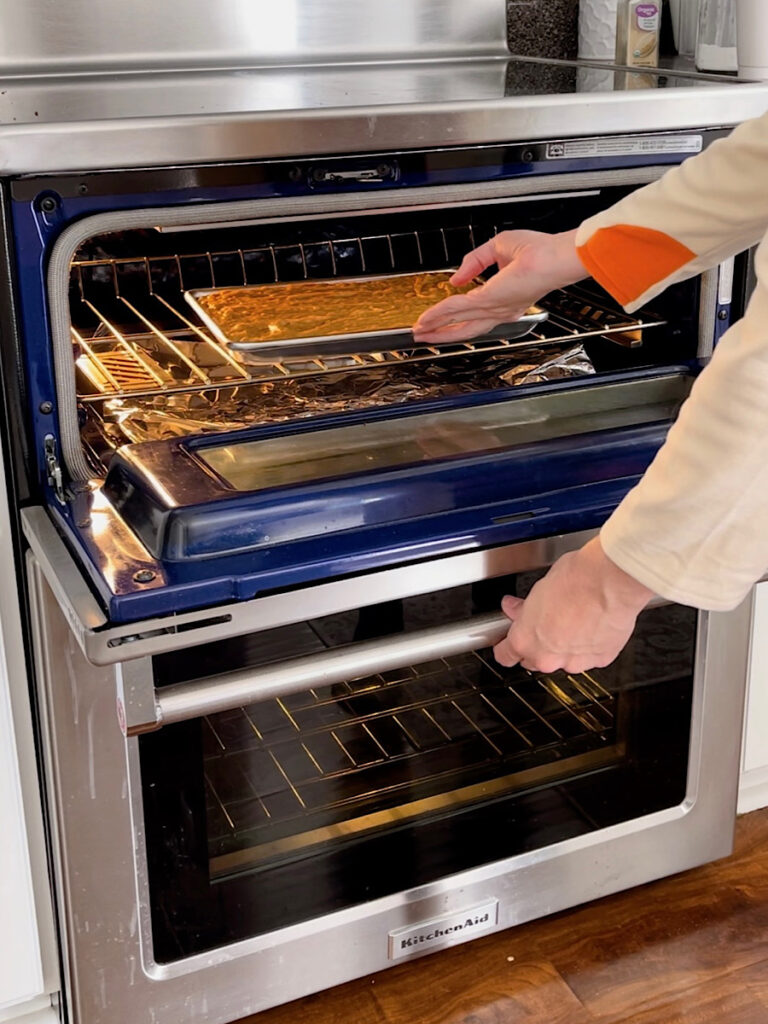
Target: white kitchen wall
(753, 788)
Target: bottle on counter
(597, 29)
(752, 39)
(685, 14)
(716, 41)
(638, 27)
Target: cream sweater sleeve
(712, 206)
(695, 529)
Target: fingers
(511, 606)
(519, 648)
(475, 263)
(453, 332)
(508, 655)
(454, 309)
(505, 654)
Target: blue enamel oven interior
(484, 509)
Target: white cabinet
(21, 968)
(26, 938)
(28, 960)
(753, 788)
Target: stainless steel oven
(260, 594)
(317, 806)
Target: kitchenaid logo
(443, 931)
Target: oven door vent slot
(184, 627)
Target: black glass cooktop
(527, 77)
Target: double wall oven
(261, 594)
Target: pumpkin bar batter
(316, 309)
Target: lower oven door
(238, 858)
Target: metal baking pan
(276, 350)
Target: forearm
(710, 207)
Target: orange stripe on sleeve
(627, 260)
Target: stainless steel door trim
(578, 853)
(716, 290)
(113, 976)
(48, 755)
(262, 211)
(104, 644)
(707, 312)
(81, 608)
(719, 641)
(708, 657)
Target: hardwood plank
(477, 985)
(726, 1000)
(638, 947)
(756, 980)
(347, 1004)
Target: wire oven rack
(134, 336)
(285, 775)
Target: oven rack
(175, 273)
(128, 354)
(285, 775)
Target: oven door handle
(142, 708)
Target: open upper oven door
(186, 469)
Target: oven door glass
(287, 810)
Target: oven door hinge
(53, 468)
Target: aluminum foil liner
(214, 410)
(574, 362)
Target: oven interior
(286, 810)
(215, 479)
(148, 369)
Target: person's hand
(577, 617)
(531, 264)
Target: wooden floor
(692, 949)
